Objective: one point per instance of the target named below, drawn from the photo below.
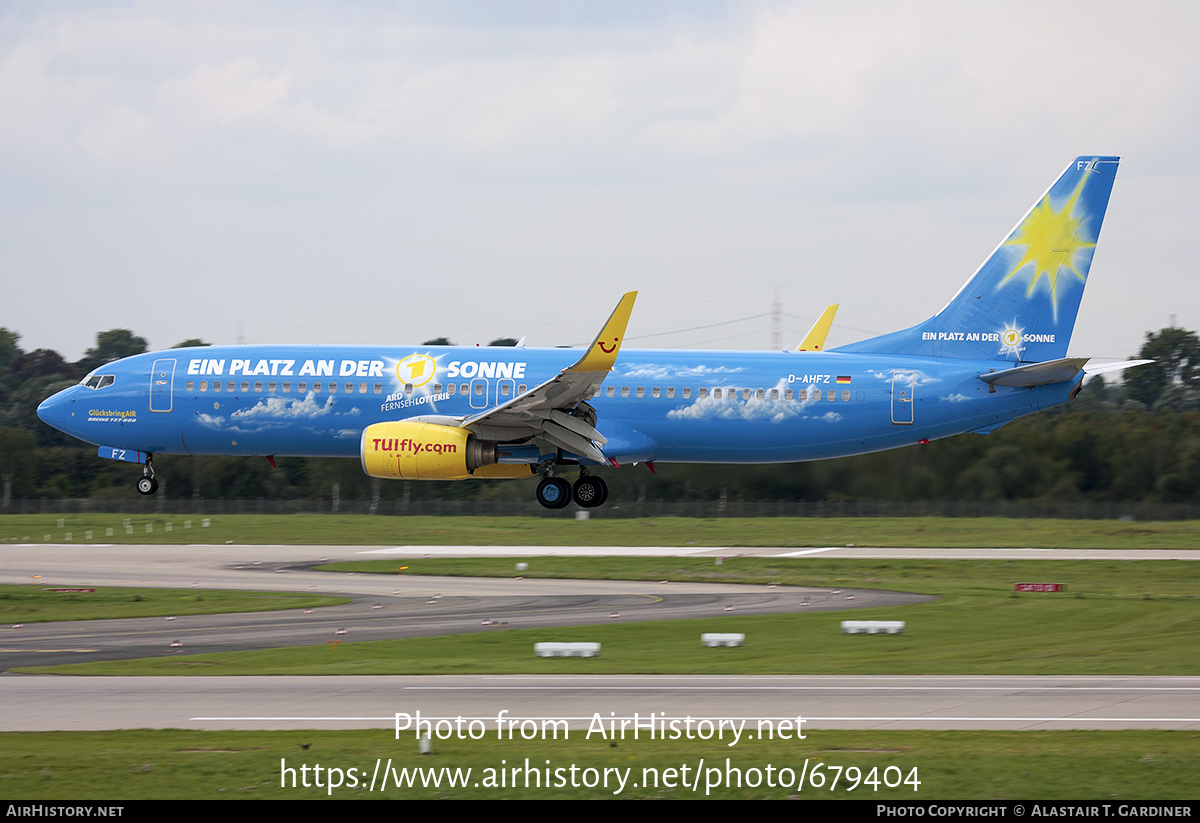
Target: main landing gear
(588, 491)
(146, 484)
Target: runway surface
(404, 606)
(43, 703)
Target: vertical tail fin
(1021, 304)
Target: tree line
(1131, 441)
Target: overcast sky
(389, 172)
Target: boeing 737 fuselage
(996, 352)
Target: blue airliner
(995, 352)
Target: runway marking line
(808, 719)
(743, 688)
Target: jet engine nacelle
(423, 451)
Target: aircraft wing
(815, 339)
(556, 410)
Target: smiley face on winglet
(607, 344)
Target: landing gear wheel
(147, 485)
(590, 492)
(554, 492)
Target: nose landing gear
(146, 484)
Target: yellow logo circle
(416, 370)
(1011, 337)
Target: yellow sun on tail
(1051, 240)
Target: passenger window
(703, 393)
(302, 388)
(845, 395)
(464, 389)
(271, 387)
(190, 386)
(654, 391)
(832, 395)
(670, 391)
(362, 388)
(759, 394)
(505, 389)
(787, 395)
(379, 388)
(287, 388)
(452, 388)
(333, 388)
(437, 388)
(624, 391)
(641, 391)
(349, 388)
(611, 391)
(816, 395)
(774, 394)
(216, 385)
(687, 392)
(716, 393)
(478, 389)
(258, 386)
(745, 394)
(408, 388)
(521, 389)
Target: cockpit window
(99, 381)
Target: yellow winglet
(603, 352)
(815, 339)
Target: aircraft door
(479, 393)
(162, 378)
(903, 385)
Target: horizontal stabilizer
(1038, 374)
(1104, 368)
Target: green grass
(313, 529)
(130, 765)
(1133, 617)
(34, 604)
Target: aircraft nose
(52, 411)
